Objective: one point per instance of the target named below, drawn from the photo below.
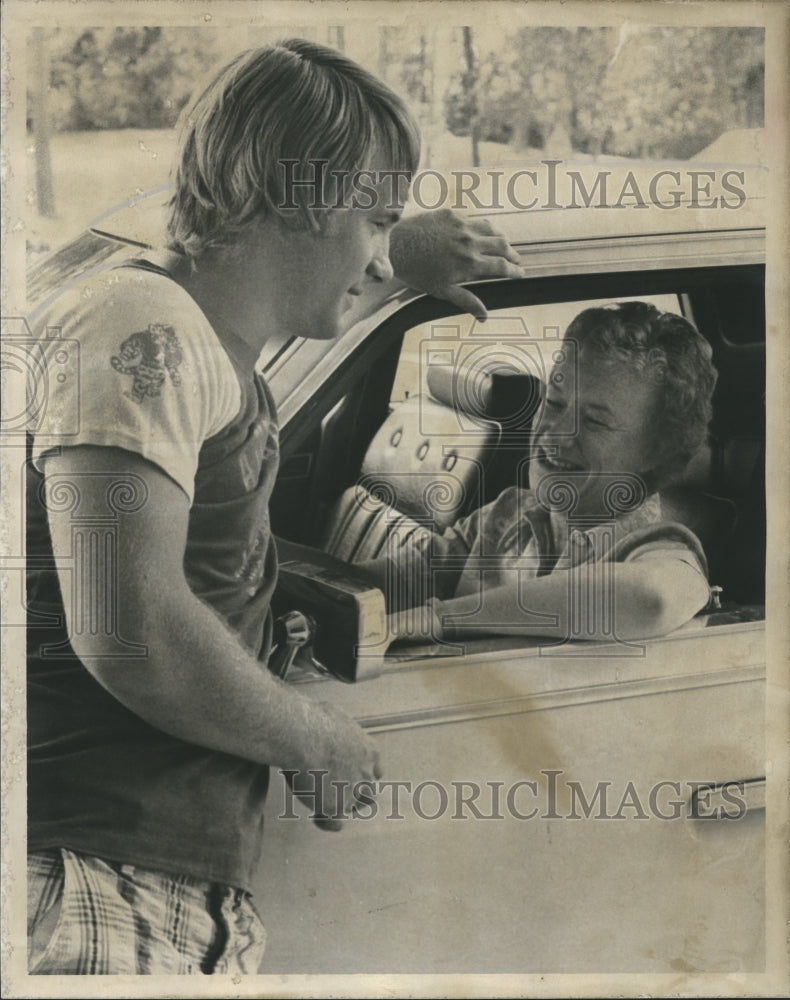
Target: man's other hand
(343, 771)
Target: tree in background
(646, 92)
(636, 91)
(670, 91)
(109, 78)
(478, 93)
(559, 73)
(539, 91)
(40, 123)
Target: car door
(538, 814)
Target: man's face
(595, 425)
(326, 271)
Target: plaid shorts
(86, 916)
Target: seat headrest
(426, 463)
(487, 393)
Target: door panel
(584, 885)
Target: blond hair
(294, 101)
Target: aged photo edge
(19, 15)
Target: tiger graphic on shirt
(149, 356)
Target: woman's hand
(420, 624)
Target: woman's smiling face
(596, 425)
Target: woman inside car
(585, 552)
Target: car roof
(626, 224)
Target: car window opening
(434, 392)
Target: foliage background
(646, 92)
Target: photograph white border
(18, 17)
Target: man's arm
(196, 682)
(648, 598)
(436, 252)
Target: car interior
(432, 417)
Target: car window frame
(306, 367)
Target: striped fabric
(87, 916)
(362, 527)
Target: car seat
(438, 456)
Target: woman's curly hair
(668, 352)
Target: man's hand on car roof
(435, 252)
